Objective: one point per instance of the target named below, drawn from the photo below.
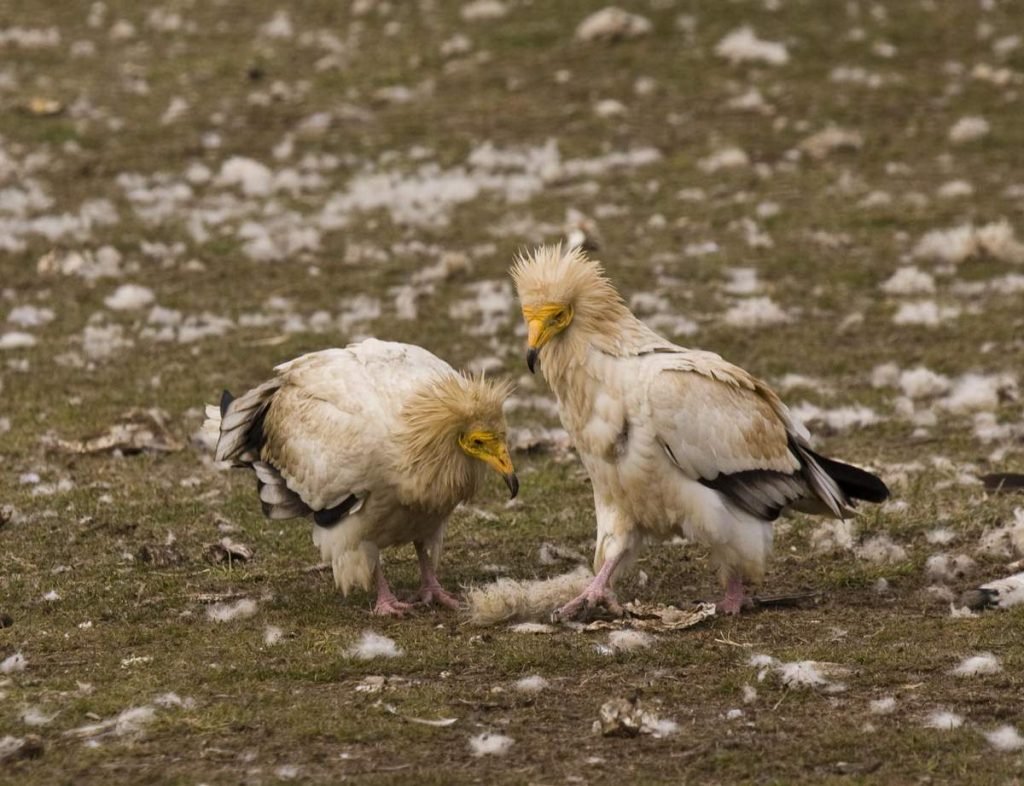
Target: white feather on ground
(800, 674)
(490, 744)
(130, 722)
(1005, 738)
(13, 663)
(272, 635)
(227, 612)
(982, 663)
(533, 684)
(507, 600)
(628, 640)
(943, 720)
(372, 645)
(883, 706)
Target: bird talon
(436, 596)
(391, 607)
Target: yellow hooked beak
(501, 462)
(535, 339)
(490, 448)
(542, 324)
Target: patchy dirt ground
(191, 192)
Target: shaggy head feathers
(549, 275)
(434, 417)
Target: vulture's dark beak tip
(513, 484)
(531, 359)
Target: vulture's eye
(478, 443)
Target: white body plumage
(675, 440)
(370, 441)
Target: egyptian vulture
(675, 440)
(378, 443)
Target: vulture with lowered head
(377, 443)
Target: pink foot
(732, 603)
(391, 607)
(436, 595)
(598, 592)
(431, 592)
(589, 599)
(387, 604)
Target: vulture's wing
(727, 430)
(322, 429)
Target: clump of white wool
(982, 663)
(1005, 738)
(227, 612)
(612, 24)
(490, 744)
(943, 720)
(944, 569)
(373, 645)
(922, 382)
(969, 129)
(129, 297)
(909, 280)
(756, 312)
(480, 10)
(979, 392)
(533, 684)
(13, 663)
(881, 550)
(925, 312)
(726, 158)
(833, 536)
(627, 640)
(743, 46)
(272, 635)
(883, 706)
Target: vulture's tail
(855, 483)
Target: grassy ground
(125, 631)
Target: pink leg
(732, 603)
(431, 590)
(387, 604)
(597, 592)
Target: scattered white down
(743, 46)
(533, 684)
(925, 312)
(272, 635)
(129, 297)
(612, 24)
(490, 744)
(983, 663)
(909, 280)
(725, 158)
(969, 129)
(372, 645)
(756, 312)
(228, 612)
(481, 10)
(957, 244)
(830, 537)
(921, 382)
(13, 663)
(881, 550)
(1005, 738)
(883, 706)
(943, 720)
(627, 640)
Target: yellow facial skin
(542, 324)
(491, 449)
